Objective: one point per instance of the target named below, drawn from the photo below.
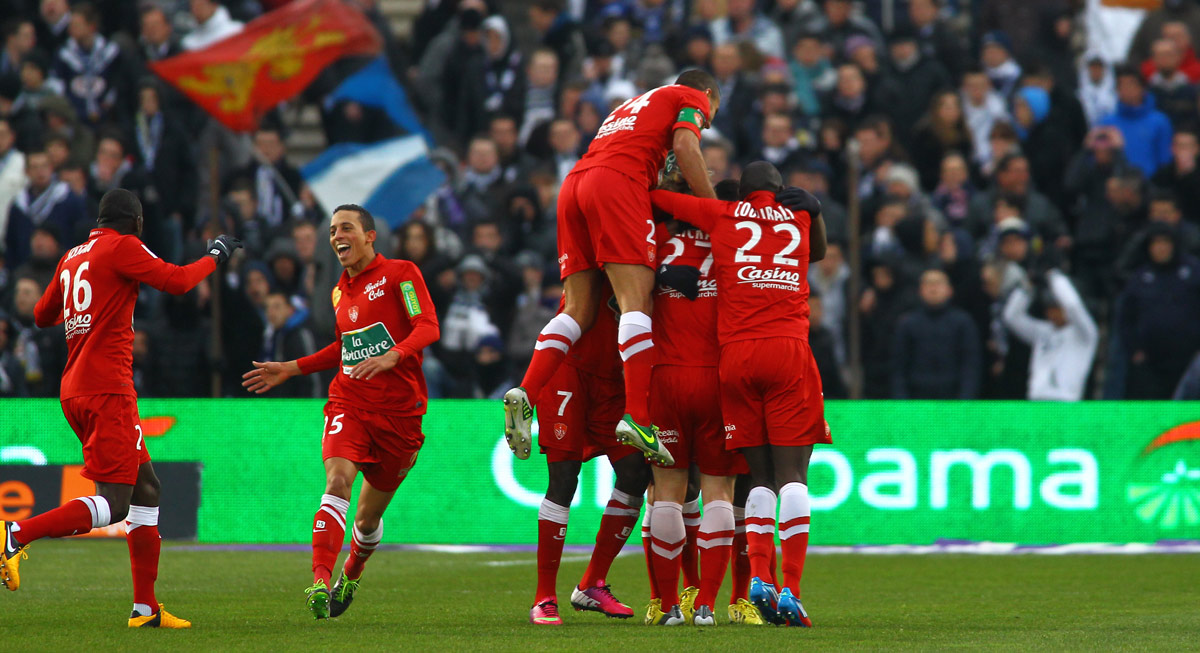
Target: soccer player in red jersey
(605, 221)
(770, 389)
(95, 293)
(385, 320)
(584, 402)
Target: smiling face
(351, 244)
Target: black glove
(798, 199)
(221, 247)
(683, 278)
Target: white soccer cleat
(518, 422)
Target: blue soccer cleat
(791, 610)
(765, 597)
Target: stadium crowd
(1030, 211)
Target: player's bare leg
(715, 543)
(581, 291)
(368, 532)
(552, 534)
(620, 518)
(329, 531)
(632, 285)
(791, 475)
(667, 540)
(141, 534)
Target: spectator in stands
(982, 109)
(164, 153)
(61, 120)
(830, 278)
(738, 94)
(779, 144)
(417, 245)
(276, 182)
(54, 20)
(504, 69)
(937, 347)
(1097, 87)
(565, 146)
(1063, 343)
(823, 345)
(157, 40)
(744, 23)
(12, 172)
(1177, 19)
(718, 156)
(1017, 19)
(1173, 92)
(850, 102)
(953, 193)
(464, 79)
(12, 373)
(1163, 209)
(291, 338)
(1146, 130)
(45, 200)
(542, 94)
(482, 188)
(1047, 146)
(90, 67)
(943, 130)
(42, 352)
(1066, 113)
(918, 77)
(487, 244)
(938, 40)
(466, 324)
(813, 75)
(1158, 323)
(213, 23)
(18, 40)
(882, 303)
(842, 23)
(1182, 174)
(1002, 69)
(559, 32)
(1013, 178)
(877, 152)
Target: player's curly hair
(120, 210)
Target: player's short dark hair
(365, 219)
(727, 190)
(701, 80)
(760, 175)
(120, 210)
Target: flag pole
(217, 356)
(854, 208)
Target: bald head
(760, 175)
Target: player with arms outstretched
(385, 320)
(605, 221)
(95, 291)
(770, 389)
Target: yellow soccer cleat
(160, 619)
(744, 612)
(653, 611)
(687, 602)
(11, 555)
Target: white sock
(760, 511)
(717, 524)
(101, 512)
(142, 610)
(794, 510)
(633, 334)
(559, 333)
(336, 506)
(141, 516)
(666, 526)
(691, 513)
(550, 511)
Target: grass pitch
(75, 596)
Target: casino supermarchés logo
(1167, 494)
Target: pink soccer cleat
(600, 599)
(545, 613)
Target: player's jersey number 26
(77, 296)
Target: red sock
(690, 558)
(636, 344)
(760, 532)
(72, 518)
(794, 513)
(329, 531)
(772, 565)
(716, 543)
(361, 547)
(141, 533)
(667, 538)
(552, 344)
(620, 518)
(741, 560)
(646, 549)
(552, 533)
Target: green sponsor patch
(358, 346)
(411, 303)
(691, 115)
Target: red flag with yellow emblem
(240, 78)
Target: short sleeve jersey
(685, 331)
(634, 139)
(760, 252)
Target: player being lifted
(385, 320)
(95, 293)
(585, 400)
(604, 220)
(770, 389)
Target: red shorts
(684, 405)
(603, 217)
(111, 433)
(578, 415)
(384, 446)
(771, 394)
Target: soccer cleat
(518, 422)
(10, 559)
(765, 597)
(792, 611)
(600, 599)
(342, 594)
(160, 619)
(318, 600)
(653, 611)
(744, 612)
(545, 613)
(672, 617)
(687, 601)
(703, 616)
(644, 439)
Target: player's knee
(338, 485)
(563, 479)
(118, 510)
(367, 523)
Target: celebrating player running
(604, 220)
(95, 295)
(770, 389)
(385, 320)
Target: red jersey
(596, 351)
(685, 331)
(760, 252)
(634, 139)
(95, 292)
(385, 307)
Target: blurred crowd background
(1011, 213)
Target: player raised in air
(385, 320)
(605, 221)
(770, 390)
(95, 293)
(584, 401)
